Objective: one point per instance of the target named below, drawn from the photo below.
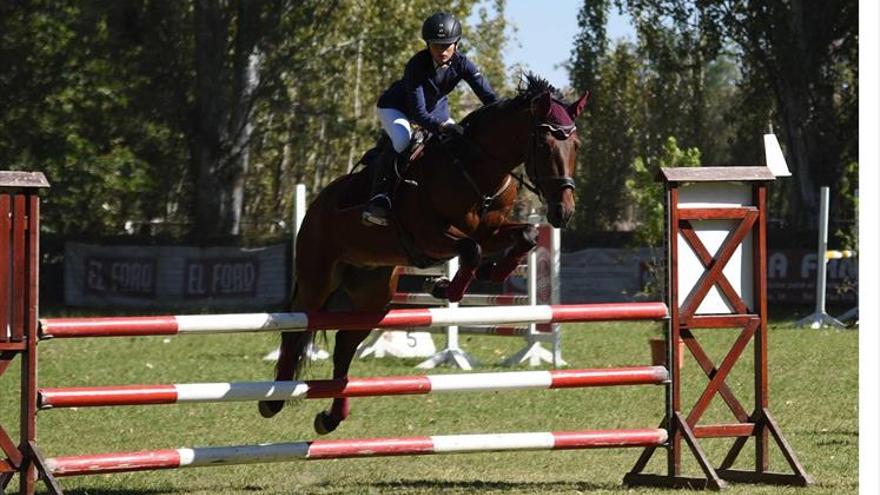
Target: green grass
(814, 397)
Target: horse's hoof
(269, 408)
(438, 287)
(324, 423)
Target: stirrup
(371, 216)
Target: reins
(486, 200)
(560, 132)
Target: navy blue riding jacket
(421, 94)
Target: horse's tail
(294, 347)
(292, 358)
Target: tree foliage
(201, 116)
(715, 75)
(804, 54)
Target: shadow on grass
(152, 491)
(98, 491)
(440, 486)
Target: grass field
(814, 397)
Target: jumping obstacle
(543, 265)
(418, 299)
(341, 449)
(131, 326)
(820, 318)
(140, 395)
(720, 210)
(534, 335)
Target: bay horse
(456, 203)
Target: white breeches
(397, 126)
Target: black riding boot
(378, 210)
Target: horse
(454, 201)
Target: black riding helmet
(441, 28)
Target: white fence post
(452, 354)
(819, 318)
(534, 353)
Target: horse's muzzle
(559, 215)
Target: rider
(420, 96)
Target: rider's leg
(397, 126)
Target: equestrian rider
(420, 97)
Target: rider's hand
(450, 128)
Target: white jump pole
(299, 212)
(534, 353)
(820, 318)
(452, 354)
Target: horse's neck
(502, 152)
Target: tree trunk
(211, 114)
(793, 109)
(223, 117)
(245, 77)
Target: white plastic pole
(555, 293)
(452, 331)
(452, 354)
(819, 318)
(534, 352)
(821, 260)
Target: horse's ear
(541, 105)
(577, 107)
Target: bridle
(542, 184)
(549, 183)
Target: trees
(76, 103)
(804, 54)
(714, 75)
(202, 114)
(644, 93)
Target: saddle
(413, 151)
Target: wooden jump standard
(722, 209)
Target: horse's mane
(530, 86)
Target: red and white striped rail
(441, 271)
(423, 299)
(396, 318)
(493, 330)
(129, 395)
(337, 449)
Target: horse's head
(551, 156)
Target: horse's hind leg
(369, 290)
(313, 289)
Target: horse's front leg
(516, 240)
(469, 256)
